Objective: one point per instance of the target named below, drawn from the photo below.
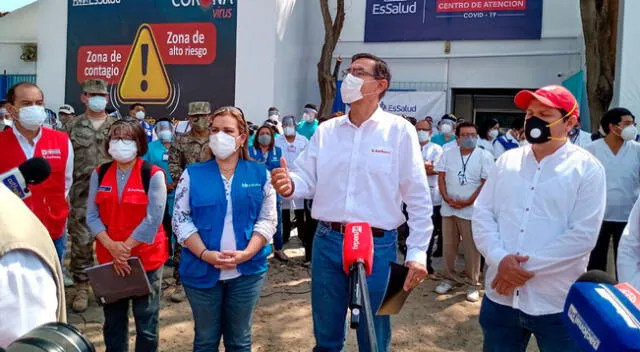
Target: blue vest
(506, 144)
(271, 160)
(208, 208)
(148, 130)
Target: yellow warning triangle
(145, 78)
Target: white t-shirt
(450, 145)
(486, 145)
(463, 175)
(290, 152)
(433, 152)
(623, 177)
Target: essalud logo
(395, 7)
(398, 108)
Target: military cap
(199, 108)
(95, 86)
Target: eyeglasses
(358, 72)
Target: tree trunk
(332, 30)
(599, 24)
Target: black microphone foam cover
(35, 170)
(597, 276)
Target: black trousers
(311, 225)
(166, 224)
(287, 224)
(598, 259)
(436, 218)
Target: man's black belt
(339, 227)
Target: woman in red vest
(124, 212)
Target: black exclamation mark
(145, 55)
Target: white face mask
(123, 151)
(307, 117)
(493, 134)
(140, 115)
(423, 136)
(351, 89)
(289, 131)
(32, 117)
(222, 145)
(165, 135)
(629, 133)
(446, 128)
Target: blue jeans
(277, 237)
(508, 330)
(145, 314)
(61, 246)
(225, 309)
(330, 290)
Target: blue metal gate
(7, 81)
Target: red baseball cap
(553, 96)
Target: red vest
(47, 199)
(122, 217)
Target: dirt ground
(282, 321)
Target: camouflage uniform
(188, 149)
(88, 146)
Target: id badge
(165, 156)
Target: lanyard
(464, 163)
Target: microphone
(357, 263)
(601, 314)
(30, 172)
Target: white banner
(415, 104)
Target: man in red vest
(28, 139)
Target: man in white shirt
(620, 156)
(511, 140)
(361, 167)
(431, 154)
(536, 221)
(292, 144)
(461, 173)
(628, 263)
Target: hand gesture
(280, 179)
(219, 260)
(510, 274)
(119, 251)
(417, 274)
(238, 257)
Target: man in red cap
(536, 221)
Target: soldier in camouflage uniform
(188, 149)
(87, 133)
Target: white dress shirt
(550, 211)
(486, 145)
(28, 295)
(433, 152)
(629, 250)
(364, 173)
(623, 177)
(29, 151)
(290, 152)
(475, 167)
(498, 149)
(184, 227)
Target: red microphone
(357, 246)
(357, 263)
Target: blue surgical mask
(97, 103)
(264, 140)
(165, 135)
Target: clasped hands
(458, 204)
(510, 275)
(225, 260)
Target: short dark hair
(613, 117)
(484, 128)
(311, 106)
(273, 108)
(517, 123)
(465, 124)
(380, 71)
(135, 105)
(11, 93)
(256, 144)
(133, 128)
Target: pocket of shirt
(379, 160)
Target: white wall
(627, 82)
(10, 60)
(52, 52)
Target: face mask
(468, 142)
(446, 128)
(629, 133)
(123, 151)
(140, 115)
(222, 145)
(493, 134)
(350, 89)
(200, 123)
(538, 131)
(289, 131)
(307, 117)
(32, 117)
(264, 140)
(97, 103)
(165, 135)
(274, 116)
(423, 136)
(8, 122)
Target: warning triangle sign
(145, 78)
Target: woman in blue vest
(224, 215)
(265, 152)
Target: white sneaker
(473, 295)
(444, 287)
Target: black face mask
(538, 131)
